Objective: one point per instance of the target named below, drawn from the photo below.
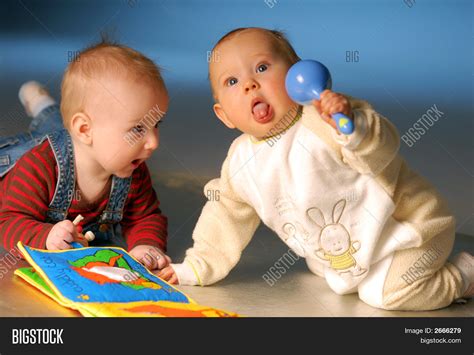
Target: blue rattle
(306, 80)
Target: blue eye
(231, 81)
(138, 129)
(261, 68)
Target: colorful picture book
(106, 282)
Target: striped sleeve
(27, 190)
(143, 223)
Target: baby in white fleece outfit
(349, 204)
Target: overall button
(4, 160)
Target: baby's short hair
(281, 44)
(93, 62)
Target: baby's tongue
(260, 110)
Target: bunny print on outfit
(335, 241)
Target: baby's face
(124, 117)
(248, 78)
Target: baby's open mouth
(136, 162)
(262, 112)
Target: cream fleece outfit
(349, 204)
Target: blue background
(412, 55)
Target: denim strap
(113, 213)
(61, 144)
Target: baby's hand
(62, 234)
(330, 103)
(151, 257)
(168, 275)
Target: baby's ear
(81, 127)
(219, 111)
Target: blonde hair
(93, 63)
(281, 44)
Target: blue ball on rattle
(306, 80)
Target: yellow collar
(299, 113)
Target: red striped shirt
(27, 190)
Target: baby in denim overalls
(87, 157)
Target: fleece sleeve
(374, 142)
(225, 227)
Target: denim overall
(107, 227)
(13, 147)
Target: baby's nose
(152, 142)
(251, 85)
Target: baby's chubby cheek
(282, 103)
